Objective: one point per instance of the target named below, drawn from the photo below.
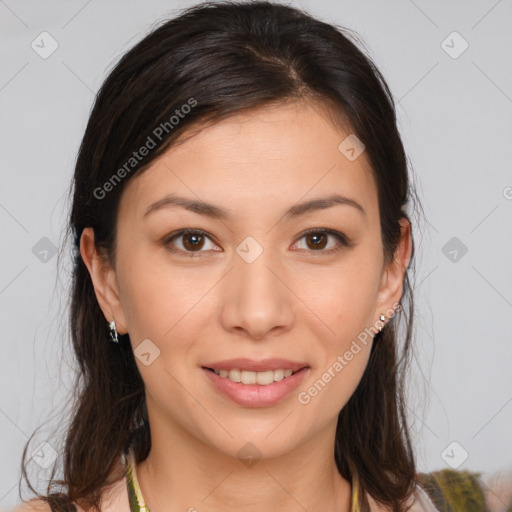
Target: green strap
(355, 495)
(135, 497)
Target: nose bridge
(256, 298)
(256, 264)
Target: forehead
(266, 158)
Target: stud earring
(113, 332)
(382, 318)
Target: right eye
(192, 241)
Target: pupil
(317, 242)
(196, 242)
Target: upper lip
(256, 366)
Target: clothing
(422, 502)
(135, 497)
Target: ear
(391, 287)
(104, 280)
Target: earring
(113, 332)
(382, 318)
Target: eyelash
(340, 237)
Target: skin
(294, 301)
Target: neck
(182, 473)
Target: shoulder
(114, 499)
(418, 501)
(421, 502)
(38, 505)
(467, 488)
(497, 488)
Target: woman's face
(252, 284)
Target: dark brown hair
(219, 59)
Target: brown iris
(316, 237)
(197, 241)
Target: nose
(258, 299)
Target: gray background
(455, 118)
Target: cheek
(333, 383)
(345, 295)
(155, 296)
(346, 303)
(166, 303)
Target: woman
(240, 226)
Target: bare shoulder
(37, 505)
(115, 499)
(422, 501)
(34, 505)
(418, 501)
(497, 489)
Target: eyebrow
(210, 210)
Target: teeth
(261, 378)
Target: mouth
(260, 378)
(255, 389)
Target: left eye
(316, 239)
(193, 240)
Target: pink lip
(256, 366)
(254, 395)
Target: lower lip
(254, 395)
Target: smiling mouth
(250, 377)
